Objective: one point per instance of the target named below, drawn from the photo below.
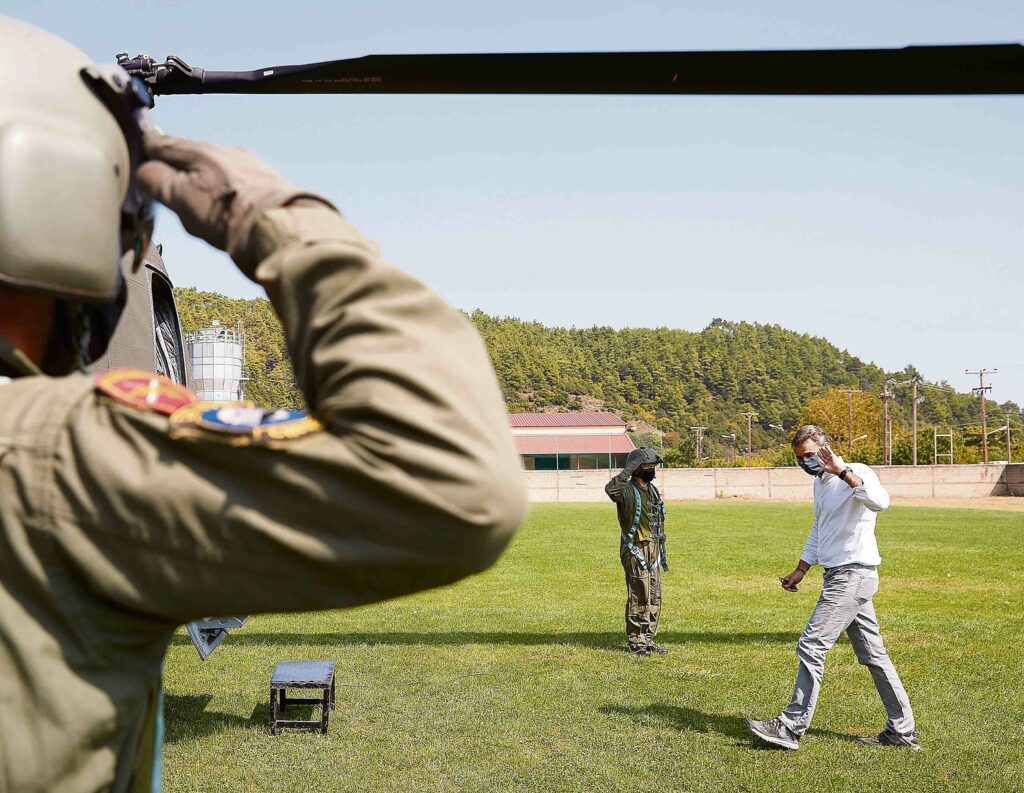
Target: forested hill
(672, 378)
(676, 379)
(660, 378)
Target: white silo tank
(217, 356)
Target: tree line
(665, 381)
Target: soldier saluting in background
(127, 510)
(641, 513)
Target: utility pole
(700, 442)
(849, 427)
(750, 452)
(1009, 457)
(980, 390)
(916, 400)
(886, 423)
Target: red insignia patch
(145, 390)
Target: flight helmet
(70, 143)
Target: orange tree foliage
(831, 412)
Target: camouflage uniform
(119, 523)
(641, 515)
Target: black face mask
(646, 475)
(811, 465)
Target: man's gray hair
(810, 432)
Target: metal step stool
(301, 674)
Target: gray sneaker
(886, 738)
(774, 732)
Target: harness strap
(627, 539)
(147, 771)
(660, 536)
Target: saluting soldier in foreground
(641, 513)
(126, 509)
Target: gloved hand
(218, 192)
(638, 457)
(635, 459)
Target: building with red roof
(570, 441)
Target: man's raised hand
(828, 460)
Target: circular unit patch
(242, 424)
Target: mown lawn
(517, 680)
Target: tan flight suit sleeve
(414, 482)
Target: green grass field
(517, 680)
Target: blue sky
(891, 226)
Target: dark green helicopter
(149, 337)
(149, 334)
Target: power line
(980, 391)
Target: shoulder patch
(144, 390)
(241, 424)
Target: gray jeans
(845, 605)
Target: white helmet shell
(65, 169)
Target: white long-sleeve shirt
(844, 519)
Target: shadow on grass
(691, 720)
(187, 719)
(608, 640)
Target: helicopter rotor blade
(926, 70)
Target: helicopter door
(170, 357)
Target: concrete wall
(785, 484)
(1015, 480)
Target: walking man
(842, 540)
(641, 514)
